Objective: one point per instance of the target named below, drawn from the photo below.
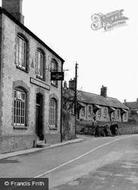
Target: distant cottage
(93, 107)
(133, 111)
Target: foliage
(66, 133)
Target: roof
(91, 98)
(132, 105)
(29, 32)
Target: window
(40, 64)
(118, 114)
(53, 113)
(83, 112)
(21, 53)
(125, 116)
(90, 110)
(99, 113)
(19, 107)
(105, 112)
(54, 68)
(113, 115)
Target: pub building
(30, 102)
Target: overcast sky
(105, 58)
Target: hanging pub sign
(57, 75)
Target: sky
(108, 58)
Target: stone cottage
(92, 107)
(133, 111)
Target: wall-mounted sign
(57, 75)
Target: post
(75, 97)
(61, 137)
(61, 116)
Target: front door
(39, 116)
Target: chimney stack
(72, 84)
(104, 91)
(124, 101)
(14, 7)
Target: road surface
(96, 163)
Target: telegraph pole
(75, 97)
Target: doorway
(39, 116)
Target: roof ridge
(97, 94)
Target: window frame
(125, 116)
(105, 112)
(83, 112)
(99, 113)
(40, 69)
(113, 116)
(118, 114)
(20, 108)
(53, 113)
(21, 53)
(89, 110)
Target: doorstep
(32, 150)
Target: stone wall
(128, 128)
(11, 143)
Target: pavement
(32, 150)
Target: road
(96, 163)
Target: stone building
(101, 108)
(92, 107)
(30, 103)
(133, 111)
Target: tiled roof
(91, 98)
(132, 105)
(88, 97)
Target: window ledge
(20, 127)
(22, 69)
(52, 128)
(40, 78)
(56, 86)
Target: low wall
(128, 128)
(81, 124)
(124, 128)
